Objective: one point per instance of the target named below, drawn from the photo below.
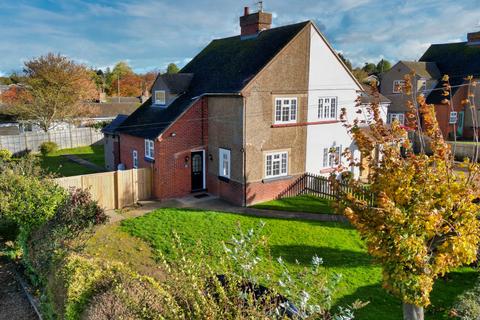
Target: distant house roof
(225, 66)
(112, 126)
(368, 97)
(457, 60)
(427, 70)
(110, 110)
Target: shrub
(468, 305)
(5, 155)
(48, 147)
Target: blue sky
(149, 34)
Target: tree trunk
(412, 312)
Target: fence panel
(68, 138)
(113, 190)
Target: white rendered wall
(327, 77)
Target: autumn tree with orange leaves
(425, 220)
(55, 89)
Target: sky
(149, 34)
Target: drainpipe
(244, 151)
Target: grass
(56, 163)
(338, 244)
(303, 203)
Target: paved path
(14, 304)
(84, 162)
(215, 204)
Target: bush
(468, 305)
(5, 155)
(48, 147)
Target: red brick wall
(230, 191)
(264, 191)
(172, 174)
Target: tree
(369, 68)
(359, 74)
(383, 66)
(55, 89)
(172, 68)
(345, 61)
(130, 86)
(425, 219)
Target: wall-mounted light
(173, 134)
(210, 157)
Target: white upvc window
(453, 117)
(332, 156)
(398, 86)
(327, 108)
(276, 164)
(400, 117)
(286, 110)
(149, 151)
(224, 163)
(135, 159)
(160, 97)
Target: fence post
(70, 134)
(91, 136)
(26, 141)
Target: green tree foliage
(359, 74)
(425, 221)
(172, 68)
(369, 68)
(383, 66)
(345, 61)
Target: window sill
(274, 179)
(224, 179)
(148, 159)
(301, 124)
(327, 170)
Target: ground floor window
(276, 164)
(332, 156)
(224, 163)
(396, 116)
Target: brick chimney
(473, 38)
(253, 23)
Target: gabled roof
(110, 110)
(369, 95)
(457, 60)
(176, 83)
(426, 70)
(112, 126)
(225, 66)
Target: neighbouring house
(111, 142)
(246, 117)
(426, 78)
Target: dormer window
(160, 97)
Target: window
(149, 149)
(160, 97)
(135, 159)
(400, 117)
(422, 85)
(453, 117)
(224, 163)
(276, 164)
(398, 86)
(327, 108)
(285, 110)
(332, 156)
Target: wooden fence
(116, 189)
(321, 186)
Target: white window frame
(285, 110)
(160, 102)
(149, 149)
(398, 115)
(453, 117)
(332, 159)
(326, 110)
(135, 159)
(224, 163)
(281, 158)
(398, 86)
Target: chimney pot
(246, 11)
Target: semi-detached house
(246, 117)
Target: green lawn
(338, 244)
(56, 163)
(303, 203)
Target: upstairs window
(327, 108)
(149, 152)
(160, 97)
(276, 164)
(398, 86)
(285, 110)
(224, 163)
(332, 156)
(400, 117)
